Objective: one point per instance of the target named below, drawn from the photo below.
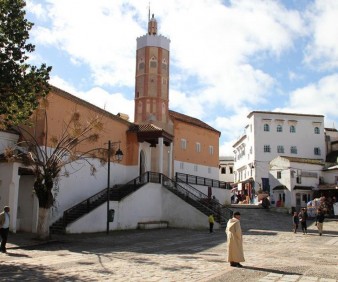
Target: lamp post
(118, 156)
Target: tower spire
(149, 12)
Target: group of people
(302, 217)
(234, 233)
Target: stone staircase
(184, 191)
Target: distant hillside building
(226, 169)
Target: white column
(160, 159)
(170, 161)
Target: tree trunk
(43, 224)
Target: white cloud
(225, 59)
(323, 49)
(316, 98)
(97, 33)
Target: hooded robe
(234, 241)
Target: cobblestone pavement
(272, 252)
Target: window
(211, 150)
(293, 150)
(317, 151)
(153, 62)
(317, 131)
(299, 180)
(292, 129)
(164, 64)
(267, 149)
(279, 174)
(183, 144)
(198, 147)
(280, 149)
(231, 170)
(266, 127)
(223, 170)
(279, 128)
(141, 66)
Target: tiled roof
(149, 127)
(191, 120)
(303, 160)
(87, 104)
(330, 129)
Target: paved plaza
(272, 252)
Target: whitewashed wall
(202, 171)
(330, 176)
(149, 203)
(82, 185)
(222, 195)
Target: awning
(327, 187)
(280, 187)
(307, 188)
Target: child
(295, 221)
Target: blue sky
(228, 58)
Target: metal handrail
(198, 180)
(154, 177)
(86, 203)
(222, 213)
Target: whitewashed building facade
(272, 134)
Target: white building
(272, 134)
(293, 180)
(226, 169)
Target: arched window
(292, 129)
(279, 128)
(266, 127)
(223, 170)
(153, 62)
(164, 65)
(141, 64)
(317, 131)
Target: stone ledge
(152, 224)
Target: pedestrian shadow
(271, 270)
(27, 272)
(11, 254)
(327, 233)
(260, 232)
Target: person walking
(4, 228)
(320, 221)
(295, 222)
(211, 223)
(302, 218)
(235, 241)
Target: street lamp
(118, 156)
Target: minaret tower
(152, 78)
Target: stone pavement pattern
(272, 251)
